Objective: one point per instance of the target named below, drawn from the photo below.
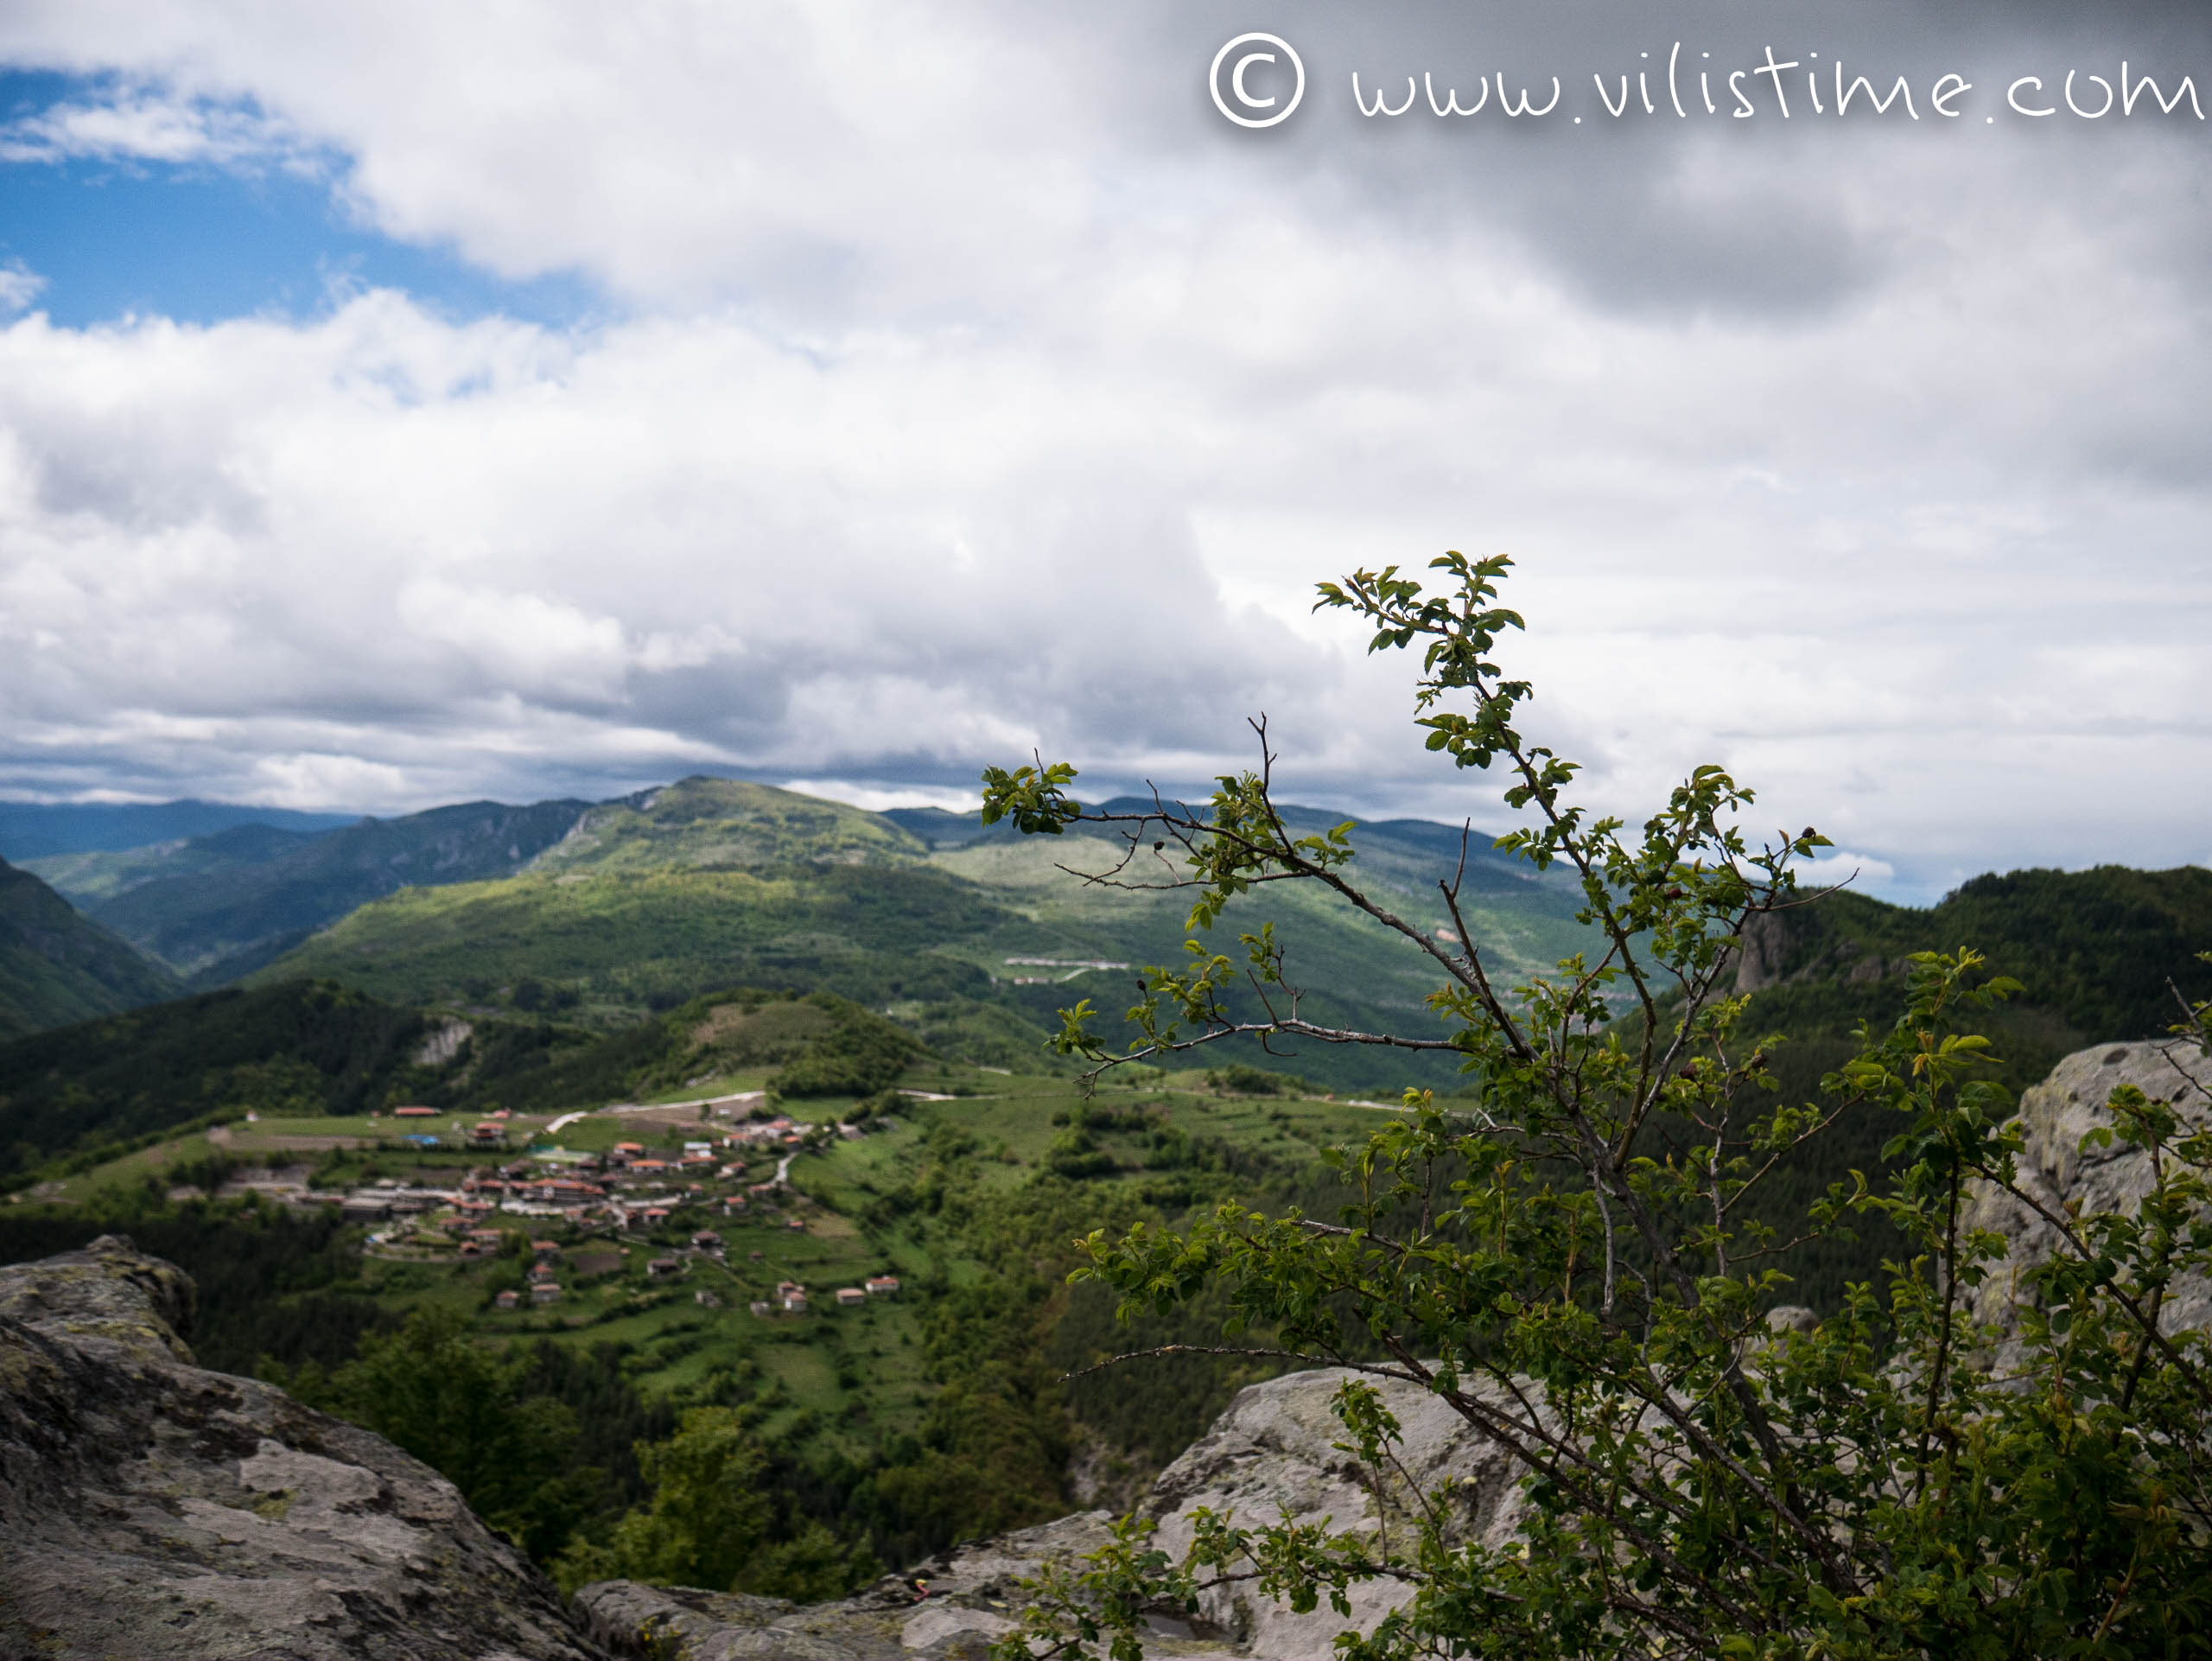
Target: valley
(680, 1070)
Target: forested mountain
(214, 908)
(602, 914)
(2098, 955)
(301, 1047)
(2093, 952)
(55, 966)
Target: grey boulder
(149, 1508)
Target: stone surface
(2055, 1116)
(151, 1509)
(1271, 1451)
(955, 1606)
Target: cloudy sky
(408, 403)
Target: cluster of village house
(626, 1186)
(626, 1189)
(790, 1299)
(790, 1296)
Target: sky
(425, 402)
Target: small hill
(57, 967)
(608, 946)
(214, 908)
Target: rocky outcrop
(1272, 1454)
(1269, 1453)
(955, 1606)
(2061, 1177)
(149, 1508)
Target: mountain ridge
(56, 965)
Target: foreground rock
(955, 1607)
(151, 1509)
(1272, 1451)
(2055, 1116)
(1269, 1452)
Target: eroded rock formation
(1271, 1452)
(153, 1510)
(2054, 1168)
(955, 1606)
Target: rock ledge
(153, 1510)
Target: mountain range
(599, 914)
(34, 829)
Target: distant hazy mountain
(94, 878)
(34, 829)
(214, 908)
(56, 966)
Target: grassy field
(850, 1374)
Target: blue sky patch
(200, 243)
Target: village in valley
(593, 1203)
(592, 1214)
(731, 1243)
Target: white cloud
(150, 126)
(19, 286)
(977, 393)
(877, 798)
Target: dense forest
(83, 1093)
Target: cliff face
(2061, 1174)
(149, 1508)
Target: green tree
(1574, 1262)
(456, 1405)
(711, 1523)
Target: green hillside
(608, 948)
(607, 913)
(974, 943)
(307, 1048)
(2099, 954)
(726, 825)
(57, 967)
(300, 1047)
